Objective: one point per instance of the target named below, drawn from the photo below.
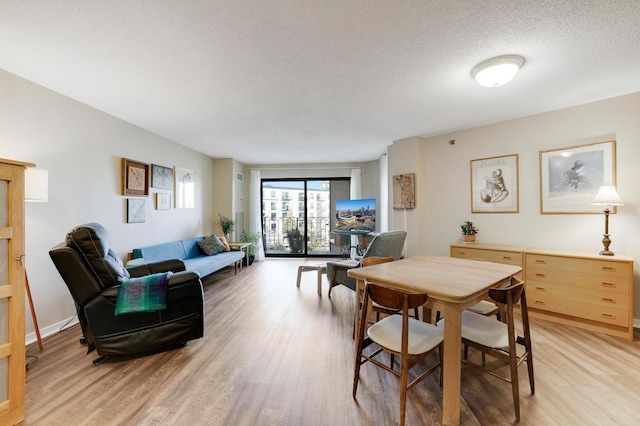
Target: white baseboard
(50, 330)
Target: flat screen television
(356, 215)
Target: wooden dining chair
(377, 308)
(401, 335)
(498, 339)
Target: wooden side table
(241, 246)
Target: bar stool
(320, 269)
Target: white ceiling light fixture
(497, 71)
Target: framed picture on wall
(135, 177)
(135, 210)
(571, 177)
(185, 188)
(163, 201)
(404, 191)
(494, 185)
(161, 177)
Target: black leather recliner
(93, 273)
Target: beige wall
(82, 150)
(443, 182)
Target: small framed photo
(571, 177)
(239, 177)
(185, 188)
(135, 210)
(163, 201)
(494, 185)
(135, 178)
(161, 177)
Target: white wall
(82, 149)
(443, 197)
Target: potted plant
(254, 238)
(468, 232)
(295, 240)
(227, 225)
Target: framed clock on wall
(135, 178)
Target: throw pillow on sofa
(211, 245)
(224, 241)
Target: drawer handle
(608, 269)
(506, 257)
(608, 299)
(541, 262)
(611, 285)
(461, 253)
(609, 316)
(541, 289)
(539, 302)
(539, 275)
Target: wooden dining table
(452, 285)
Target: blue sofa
(187, 252)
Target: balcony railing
(318, 234)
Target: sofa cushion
(155, 253)
(211, 245)
(224, 241)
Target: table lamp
(607, 197)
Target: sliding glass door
(298, 215)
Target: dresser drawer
(615, 315)
(567, 294)
(585, 266)
(577, 281)
(497, 256)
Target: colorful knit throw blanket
(144, 294)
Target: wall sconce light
(497, 71)
(607, 197)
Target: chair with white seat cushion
(499, 339)
(401, 335)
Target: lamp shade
(36, 184)
(607, 196)
(497, 71)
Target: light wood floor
(274, 354)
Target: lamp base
(606, 241)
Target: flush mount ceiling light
(497, 71)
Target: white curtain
(356, 183)
(255, 215)
(354, 193)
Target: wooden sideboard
(581, 289)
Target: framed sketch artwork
(494, 185)
(571, 177)
(163, 201)
(135, 210)
(135, 177)
(185, 188)
(161, 177)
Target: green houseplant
(254, 239)
(468, 232)
(295, 240)
(227, 225)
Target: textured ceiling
(298, 81)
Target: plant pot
(468, 238)
(297, 244)
(252, 257)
